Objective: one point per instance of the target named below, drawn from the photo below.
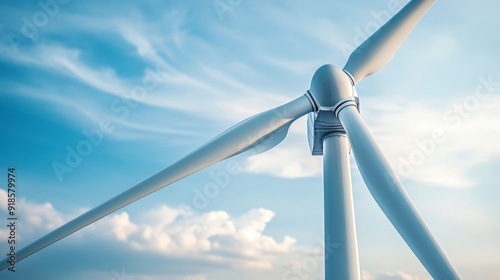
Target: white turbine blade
(265, 129)
(374, 53)
(391, 196)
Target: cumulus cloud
(366, 275)
(33, 217)
(385, 275)
(214, 236)
(174, 232)
(121, 226)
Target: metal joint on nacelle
(324, 123)
(351, 77)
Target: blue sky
(150, 81)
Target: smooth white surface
(392, 197)
(342, 262)
(329, 85)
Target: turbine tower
(334, 127)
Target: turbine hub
(331, 90)
(330, 85)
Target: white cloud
(385, 275)
(399, 275)
(33, 218)
(366, 275)
(405, 133)
(212, 236)
(290, 159)
(68, 62)
(173, 232)
(193, 277)
(121, 226)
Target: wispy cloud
(67, 62)
(404, 132)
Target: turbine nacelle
(331, 90)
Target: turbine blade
(267, 128)
(374, 53)
(392, 198)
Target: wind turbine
(334, 126)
